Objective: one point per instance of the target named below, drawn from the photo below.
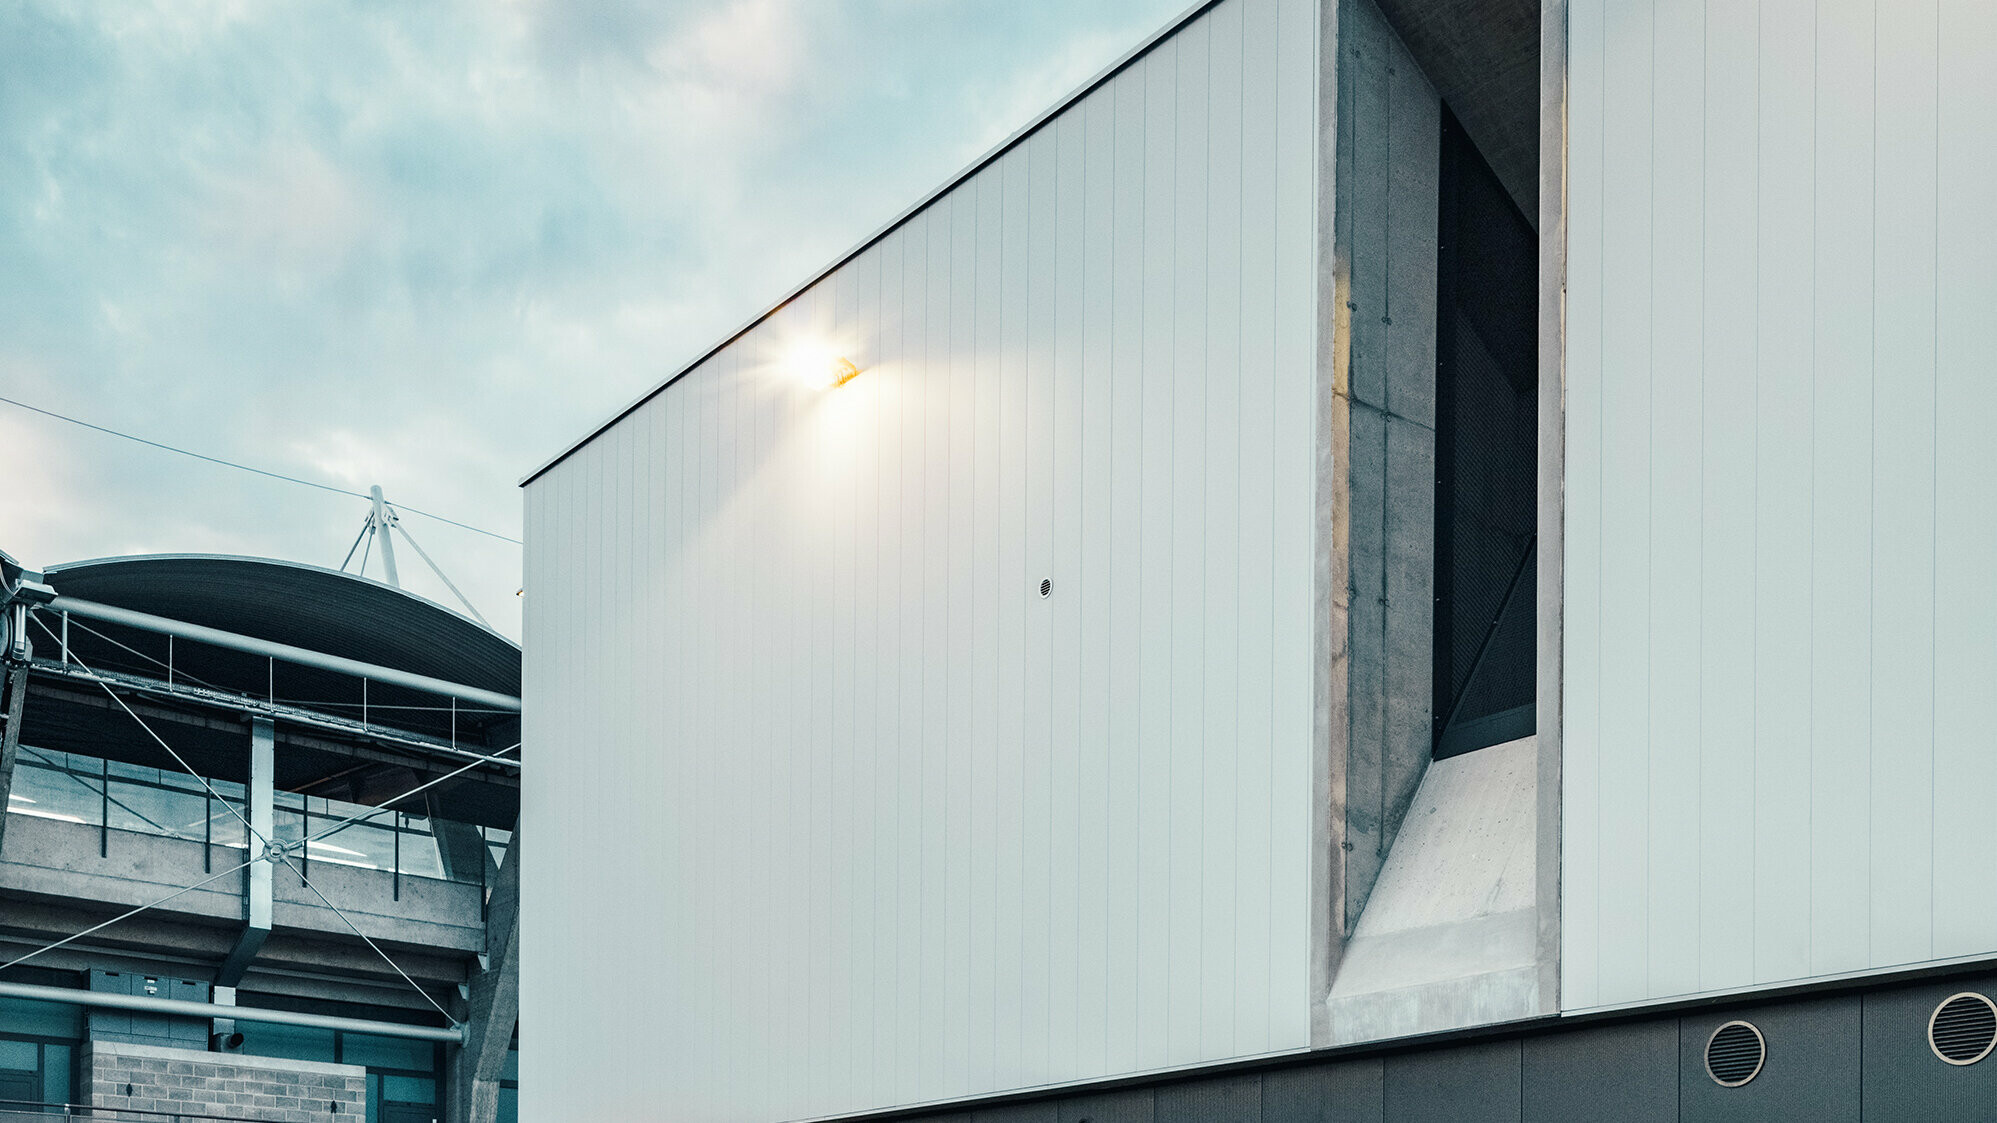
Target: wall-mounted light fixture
(820, 367)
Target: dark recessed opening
(1486, 455)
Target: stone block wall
(135, 1077)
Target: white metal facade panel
(1779, 538)
(846, 814)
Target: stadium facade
(1401, 562)
(258, 858)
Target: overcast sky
(428, 245)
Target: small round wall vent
(1046, 586)
(1734, 1054)
(1963, 1029)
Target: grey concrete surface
(1448, 938)
(1484, 58)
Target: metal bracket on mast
(384, 520)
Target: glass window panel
(409, 1089)
(290, 825)
(387, 1052)
(55, 1074)
(511, 1070)
(298, 1043)
(182, 782)
(20, 1056)
(42, 1019)
(226, 828)
(358, 844)
(420, 857)
(509, 1105)
(52, 793)
(155, 810)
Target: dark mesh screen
(1486, 489)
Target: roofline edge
(1061, 106)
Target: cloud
(426, 246)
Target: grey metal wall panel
(1903, 1078)
(1116, 1107)
(1811, 1071)
(850, 816)
(1468, 1084)
(1772, 547)
(1626, 1072)
(1019, 1113)
(1347, 1092)
(1228, 1099)
(1965, 771)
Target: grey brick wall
(155, 1078)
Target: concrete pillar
(1383, 438)
(256, 879)
(16, 682)
(494, 1003)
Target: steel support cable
(206, 881)
(422, 553)
(285, 859)
(247, 468)
(150, 732)
(275, 853)
(389, 805)
(79, 780)
(272, 855)
(337, 911)
(366, 526)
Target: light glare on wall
(818, 366)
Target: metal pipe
(451, 1035)
(236, 703)
(303, 656)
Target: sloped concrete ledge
(1449, 936)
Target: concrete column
(495, 1002)
(16, 681)
(256, 879)
(1383, 436)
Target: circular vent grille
(1963, 1029)
(1734, 1054)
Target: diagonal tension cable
(285, 859)
(132, 912)
(247, 468)
(275, 853)
(389, 804)
(150, 732)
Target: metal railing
(28, 1111)
(111, 796)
